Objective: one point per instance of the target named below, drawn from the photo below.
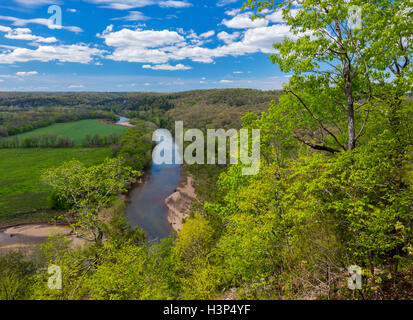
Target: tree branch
(363, 126)
(316, 146)
(315, 118)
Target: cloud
(277, 16)
(222, 3)
(238, 72)
(228, 38)
(164, 46)
(207, 34)
(76, 86)
(140, 38)
(45, 22)
(35, 3)
(133, 16)
(25, 34)
(122, 4)
(226, 81)
(62, 53)
(243, 21)
(146, 46)
(232, 12)
(26, 73)
(131, 4)
(71, 10)
(175, 4)
(167, 67)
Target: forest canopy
(335, 188)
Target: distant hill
(223, 108)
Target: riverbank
(179, 203)
(124, 123)
(27, 236)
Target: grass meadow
(76, 130)
(20, 169)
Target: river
(146, 208)
(122, 120)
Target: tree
(341, 73)
(88, 190)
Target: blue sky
(136, 45)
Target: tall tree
(343, 54)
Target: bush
(57, 202)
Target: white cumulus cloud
(131, 4)
(133, 16)
(25, 34)
(228, 37)
(45, 22)
(26, 73)
(63, 53)
(243, 21)
(167, 67)
(175, 4)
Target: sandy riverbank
(27, 236)
(179, 202)
(126, 124)
(37, 230)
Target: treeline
(218, 108)
(22, 112)
(109, 101)
(54, 141)
(40, 141)
(15, 121)
(333, 197)
(96, 140)
(135, 145)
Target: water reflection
(147, 208)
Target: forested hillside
(23, 112)
(334, 189)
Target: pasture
(76, 130)
(20, 169)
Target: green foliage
(135, 148)
(77, 131)
(21, 189)
(334, 189)
(218, 108)
(117, 228)
(88, 190)
(15, 273)
(191, 255)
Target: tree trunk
(350, 105)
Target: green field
(20, 169)
(76, 130)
